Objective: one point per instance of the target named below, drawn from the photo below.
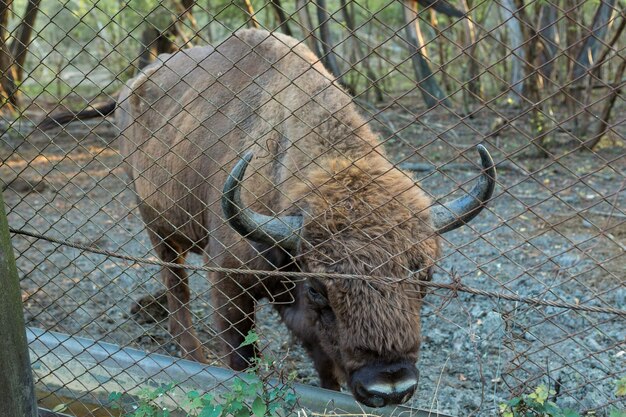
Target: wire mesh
(360, 116)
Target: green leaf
(145, 411)
(59, 408)
(569, 413)
(250, 390)
(551, 409)
(235, 405)
(163, 389)
(617, 413)
(540, 395)
(258, 407)
(193, 403)
(513, 402)
(250, 339)
(273, 405)
(207, 399)
(244, 412)
(291, 398)
(115, 396)
(211, 411)
(147, 394)
(620, 389)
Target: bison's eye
(316, 297)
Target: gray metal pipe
(108, 367)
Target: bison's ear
(283, 231)
(458, 212)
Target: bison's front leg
(299, 320)
(178, 297)
(323, 365)
(234, 309)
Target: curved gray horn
(282, 231)
(461, 211)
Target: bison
(250, 154)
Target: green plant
(620, 387)
(251, 394)
(535, 404)
(620, 391)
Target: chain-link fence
(366, 237)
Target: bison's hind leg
(178, 296)
(151, 308)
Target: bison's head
(364, 218)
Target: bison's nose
(384, 384)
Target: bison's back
(186, 118)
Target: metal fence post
(17, 391)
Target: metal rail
(84, 367)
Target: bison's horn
(283, 231)
(458, 212)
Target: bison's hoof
(151, 308)
(198, 355)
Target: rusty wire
(455, 286)
(551, 237)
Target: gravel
(539, 238)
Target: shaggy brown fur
(189, 118)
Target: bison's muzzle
(384, 384)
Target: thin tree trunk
(185, 8)
(154, 43)
(546, 43)
(441, 6)
(187, 11)
(585, 62)
(350, 39)
(420, 36)
(516, 43)
(533, 83)
(209, 32)
(23, 37)
(5, 9)
(7, 85)
(431, 92)
(588, 54)
(572, 34)
(307, 26)
(470, 47)
(434, 23)
(8, 89)
(330, 57)
(614, 39)
(356, 53)
(548, 33)
(603, 123)
(149, 38)
(251, 21)
(353, 54)
(283, 20)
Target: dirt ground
(556, 229)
